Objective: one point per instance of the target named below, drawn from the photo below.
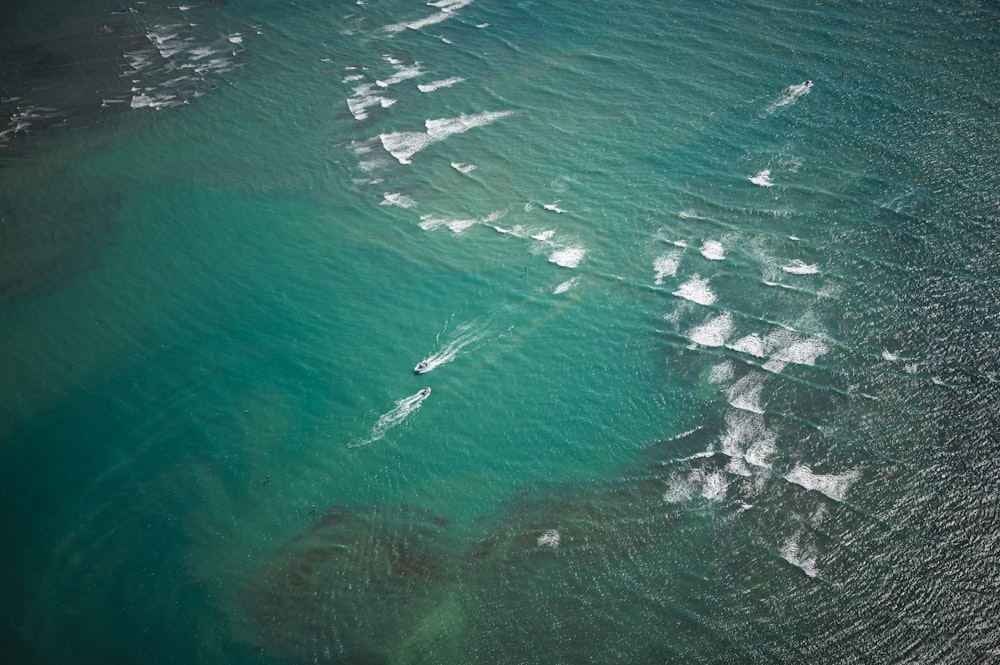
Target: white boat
(422, 366)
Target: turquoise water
(714, 349)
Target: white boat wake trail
(390, 419)
(466, 336)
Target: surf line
(403, 408)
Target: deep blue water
(708, 291)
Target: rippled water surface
(707, 293)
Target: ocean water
(708, 291)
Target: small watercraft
(425, 392)
(421, 367)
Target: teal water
(714, 351)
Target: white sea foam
(752, 345)
(171, 67)
(552, 207)
(713, 250)
(713, 332)
(398, 200)
(833, 486)
(395, 416)
(748, 439)
(722, 373)
(714, 487)
(446, 8)
(666, 265)
(549, 539)
(368, 95)
(403, 145)
(402, 73)
(681, 489)
(762, 179)
(889, 356)
(745, 393)
(517, 230)
(799, 267)
(544, 236)
(463, 168)
(797, 351)
(568, 257)
(431, 222)
(567, 285)
(696, 290)
(793, 553)
(437, 85)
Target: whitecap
(567, 285)
(552, 207)
(696, 290)
(444, 127)
(714, 487)
(751, 344)
(681, 489)
(747, 437)
(437, 85)
(403, 145)
(713, 250)
(745, 394)
(463, 168)
(713, 332)
(889, 356)
(832, 485)
(799, 352)
(799, 267)
(544, 236)
(517, 230)
(402, 73)
(793, 554)
(666, 265)
(446, 7)
(762, 179)
(722, 373)
(568, 257)
(549, 539)
(430, 222)
(398, 200)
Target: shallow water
(714, 351)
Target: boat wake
(403, 408)
(467, 336)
